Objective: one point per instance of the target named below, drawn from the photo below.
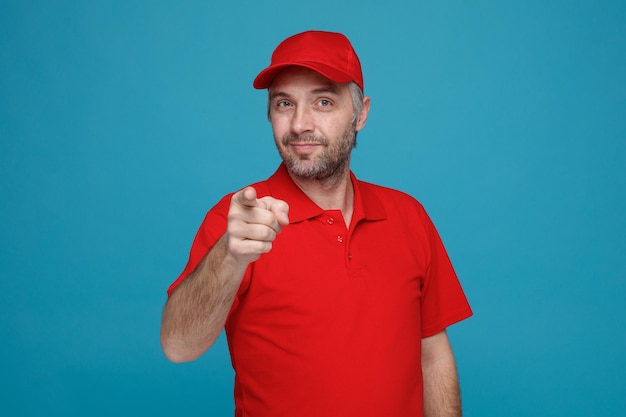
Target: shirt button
(330, 220)
(340, 239)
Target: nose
(302, 120)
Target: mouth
(303, 147)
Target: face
(314, 123)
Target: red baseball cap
(327, 53)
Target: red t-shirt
(330, 321)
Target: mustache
(291, 139)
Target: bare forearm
(441, 385)
(441, 392)
(196, 311)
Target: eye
(325, 103)
(283, 103)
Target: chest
(319, 267)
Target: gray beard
(332, 163)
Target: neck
(336, 193)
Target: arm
(441, 386)
(196, 311)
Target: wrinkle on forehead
(299, 75)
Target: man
(334, 293)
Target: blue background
(121, 123)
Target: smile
(304, 147)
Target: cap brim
(265, 77)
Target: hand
(253, 224)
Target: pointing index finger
(247, 197)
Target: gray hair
(357, 100)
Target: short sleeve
(211, 229)
(443, 300)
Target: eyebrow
(330, 88)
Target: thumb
(279, 208)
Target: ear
(362, 118)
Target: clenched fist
(253, 224)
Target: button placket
(337, 229)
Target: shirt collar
(367, 205)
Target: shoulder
(388, 197)
(399, 208)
